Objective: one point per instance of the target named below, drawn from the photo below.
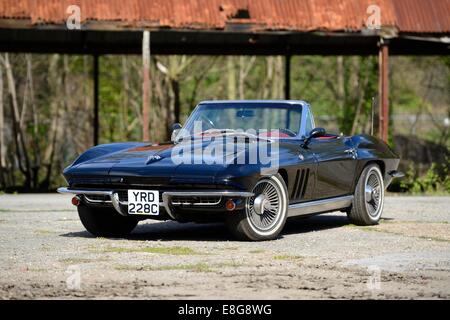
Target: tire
(367, 205)
(248, 225)
(105, 222)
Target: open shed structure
(229, 27)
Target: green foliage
(435, 181)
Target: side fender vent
(300, 184)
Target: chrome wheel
(265, 213)
(374, 193)
(367, 204)
(264, 208)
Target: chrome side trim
(305, 208)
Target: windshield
(275, 120)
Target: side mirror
(176, 127)
(314, 133)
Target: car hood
(162, 160)
(167, 160)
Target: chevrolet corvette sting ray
(251, 164)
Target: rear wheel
(369, 197)
(265, 213)
(105, 222)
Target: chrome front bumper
(166, 196)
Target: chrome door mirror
(176, 127)
(314, 133)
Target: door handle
(351, 152)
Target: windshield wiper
(217, 131)
(209, 131)
(227, 132)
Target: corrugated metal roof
(415, 16)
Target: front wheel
(265, 213)
(369, 197)
(105, 222)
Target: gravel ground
(46, 253)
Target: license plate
(143, 202)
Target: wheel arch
(380, 164)
(283, 173)
(358, 213)
(364, 165)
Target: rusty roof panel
(416, 16)
(427, 16)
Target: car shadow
(298, 225)
(174, 231)
(170, 231)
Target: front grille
(97, 198)
(123, 195)
(195, 200)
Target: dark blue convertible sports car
(251, 164)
